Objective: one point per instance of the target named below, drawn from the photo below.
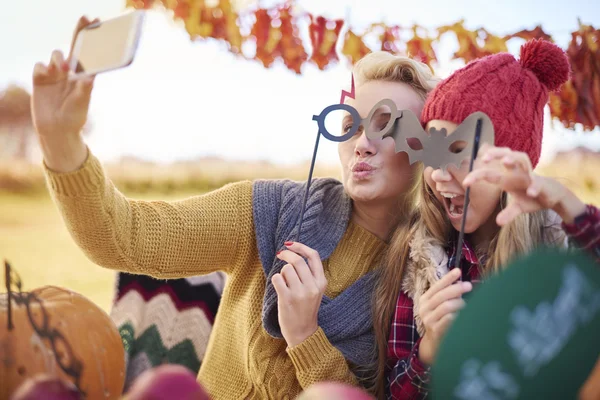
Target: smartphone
(106, 45)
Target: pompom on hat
(512, 93)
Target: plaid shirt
(408, 378)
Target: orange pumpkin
(67, 330)
(591, 387)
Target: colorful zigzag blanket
(165, 321)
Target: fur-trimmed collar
(428, 262)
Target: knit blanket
(165, 321)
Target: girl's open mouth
(454, 205)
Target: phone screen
(107, 46)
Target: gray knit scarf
(347, 319)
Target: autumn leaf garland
(275, 35)
(579, 99)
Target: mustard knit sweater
(203, 234)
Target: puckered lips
(362, 170)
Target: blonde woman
(511, 211)
(283, 323)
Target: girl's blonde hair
(384, 66)
(522, 235)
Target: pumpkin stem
(8, 293)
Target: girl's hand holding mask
(439, 307)
(513, 173)
(300, 287)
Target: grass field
(35, 241)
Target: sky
(182, 99)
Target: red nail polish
(278, 252)
(289, 243)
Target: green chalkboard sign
(530, 332)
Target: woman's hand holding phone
(59, 110)
(62, 88)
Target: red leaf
(276, 35)
(291, 46)
(324, 34)
(389, 39)
(563, 105)
(579, 99)
(182, 9)
(260, 31)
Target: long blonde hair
(518, 237)
(384, 66)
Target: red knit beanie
(512, 93)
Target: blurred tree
(17, 138)
(15, 121)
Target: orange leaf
(467, 41)
(563, 105)
(354, 47)
(420, 48)
(219, 22)
(193, 19)
(139, 4)
(535, 33)
(224, 24)
(492, 44)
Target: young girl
(511, 211)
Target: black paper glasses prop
(356, 121)
(404, 127)
(461, 235)
(39, 320)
